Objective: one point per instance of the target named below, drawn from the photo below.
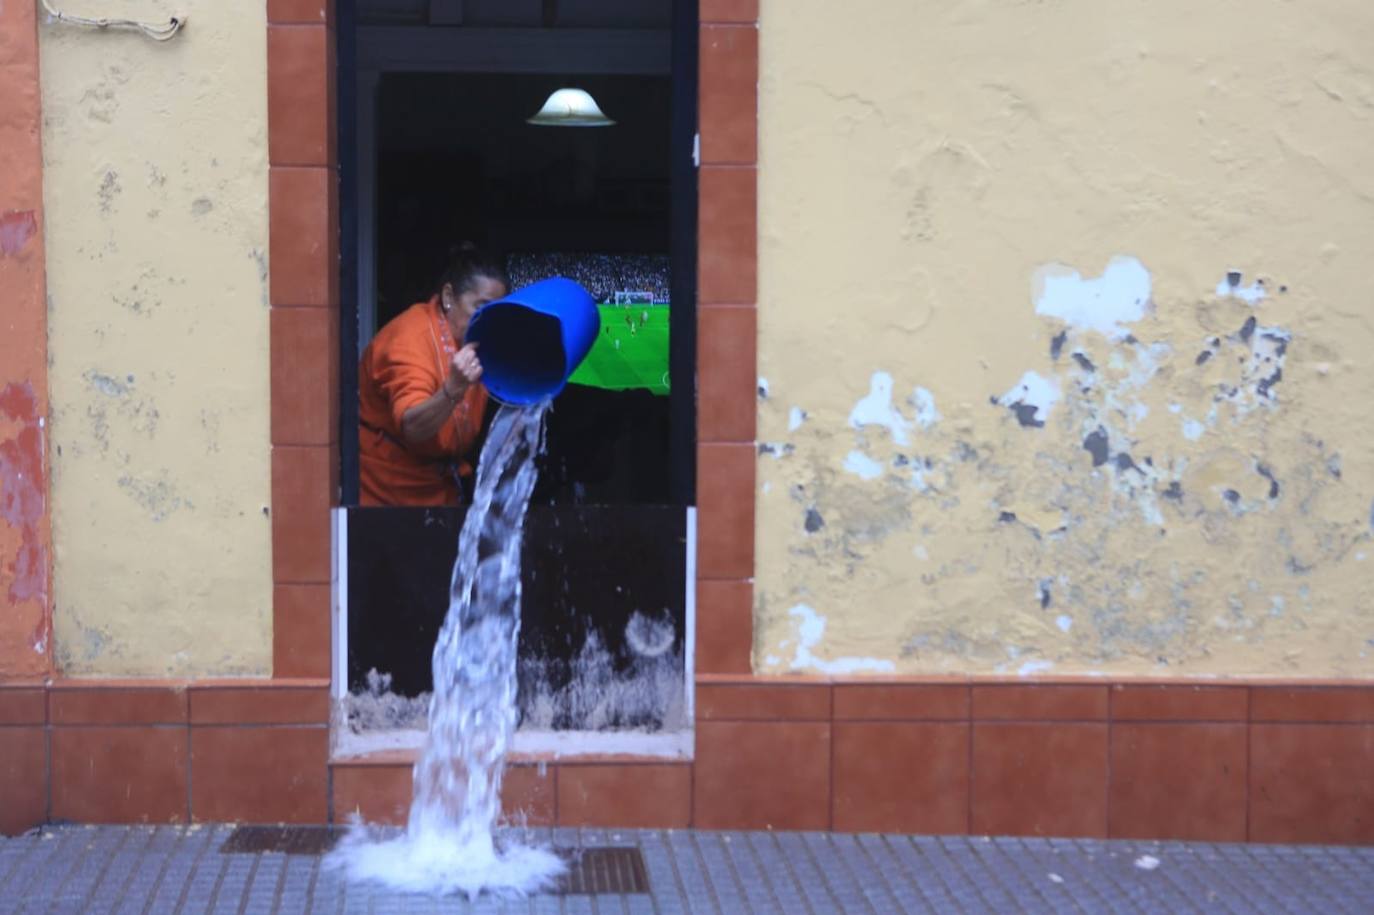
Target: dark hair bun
(466, 262)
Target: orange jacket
(403, 366)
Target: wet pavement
(174, 869)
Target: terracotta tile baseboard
(163, 751)
(1260, 761)
(1209, 759)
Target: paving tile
(137, 869)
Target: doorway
(435, 150)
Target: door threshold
(404, 746)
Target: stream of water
(449, 844)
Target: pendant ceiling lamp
(570, 108)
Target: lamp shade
(570, 108)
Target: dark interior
(605, 538)
(457, 162)
(614, 561)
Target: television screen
(631, 290)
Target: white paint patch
(1033, 390)
(924, 402)
(1230, 286)
(876, 409)
(810, 630)
(1147, 862)
(920, 552)
(1055, 878)
(795, 417)
(1120, 296)
(1034, 667)
(863, 466)
(772, 660)
(1065, 623)
(1192, 429)
(767, 487)
(1175, 408)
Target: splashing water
(449, 845)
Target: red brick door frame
(25, 519)
(304, 292)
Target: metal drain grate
(290, 840)
(609, 869)
(602, 870)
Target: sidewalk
(182, 869)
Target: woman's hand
(424, 420)
(464, 371)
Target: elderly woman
(420, 397)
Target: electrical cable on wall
(155, 31)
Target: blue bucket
(530, 341)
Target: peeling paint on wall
(1031, 399)
(155, 229)
(1146, 330)
(810, 630)
(16, 228)
(23, 493)
(1107, 304)
(876, 409)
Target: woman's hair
(466, 262)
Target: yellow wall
(155, 184)
(932, 174)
